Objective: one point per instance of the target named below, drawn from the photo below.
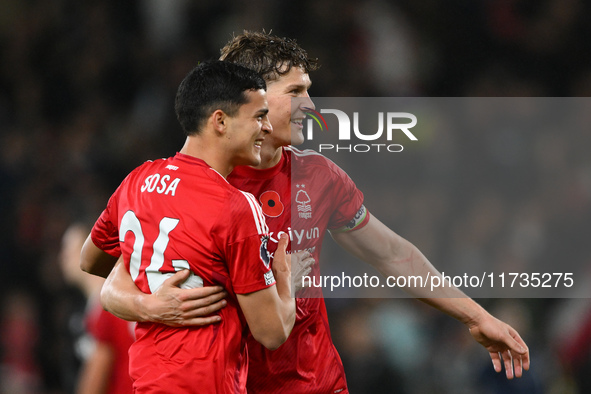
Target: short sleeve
(247, 257)
(347, 197)
(104, 233)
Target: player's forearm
(285, 309)
(121, 297)
(464, 309)
(287, 306)
(270, 313)
(279, 330)
(289, 315)
(408, 261)
(270, 318)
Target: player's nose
(306, 102)
(266, 125)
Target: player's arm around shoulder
(270, 312)
(169, 304)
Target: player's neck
(270, 156)
(215, 158)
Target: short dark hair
(270, 56)
(211, 86)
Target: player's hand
(178, 307)
(301, 265)
(282, 268)
(504, 345)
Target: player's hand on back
(178, 307)
(282, 268)
(301, 265)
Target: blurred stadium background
(86, 95)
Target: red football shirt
(118, 335)
(179, 213)
(325, 198)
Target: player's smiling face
(248, 128)
(288, 123)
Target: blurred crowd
(86, 95)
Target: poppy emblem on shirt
(272, 205)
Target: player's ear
(219, 121)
